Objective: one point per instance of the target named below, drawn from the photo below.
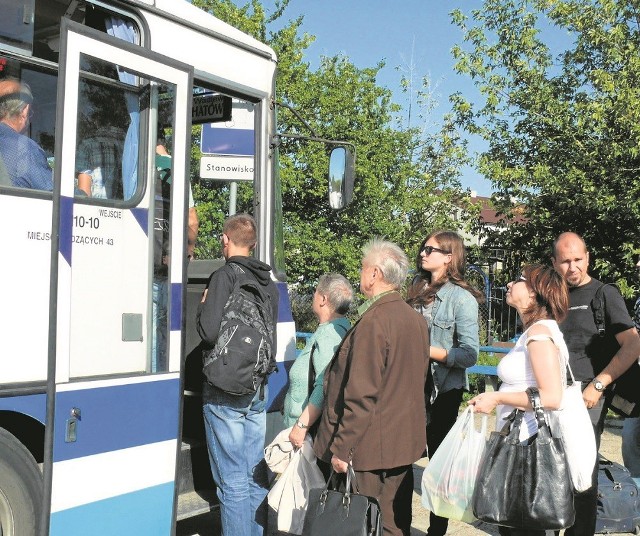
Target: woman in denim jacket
(450, 306)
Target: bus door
(118, 255)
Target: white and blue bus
(101, 433)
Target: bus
(100, 384)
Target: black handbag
(525, 485)
(341, 513)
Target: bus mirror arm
(342, 161)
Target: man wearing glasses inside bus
(24, 161)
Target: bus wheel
(20, 488)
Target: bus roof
(182, 10)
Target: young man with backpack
(596, 359)
(237, 322)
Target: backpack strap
(598, 306)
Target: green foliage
(563, 126)
(406, 178)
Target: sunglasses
(430, 249)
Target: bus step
(194, 469)
(196, 503)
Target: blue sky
(401, 33)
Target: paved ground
(209, 525)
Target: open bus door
(113, 395)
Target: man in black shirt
(596, 360)
(631, 427)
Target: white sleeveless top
(516, 374)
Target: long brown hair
(423, 289)
(551, 294)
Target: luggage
(618, 504)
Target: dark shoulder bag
(341, 513)
(524, 485)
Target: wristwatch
(300, 424)
(599, 386)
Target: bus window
(27, 124)
(17, 24)
(32, 27)
(105, 129)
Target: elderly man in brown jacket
(374, 410)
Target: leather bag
(525, 485)
(341, 513)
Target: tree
(563, 127)
(406, 178)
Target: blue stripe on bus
(117, 417)
(175, 322)
(146, 512)
(33, 405)
(142, 216)
(278, 385)
(284, 305)
(66, 227)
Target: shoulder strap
(598, 306)
(541, 337)
(312, 372)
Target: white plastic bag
(450, 476)
(290, 494)
(279, 452)
(575, 428)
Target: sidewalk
(209, 524)
(609, 448)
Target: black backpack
(618, 504)
(243, 356)
(623, 397)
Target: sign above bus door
(210, 109)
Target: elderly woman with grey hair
(302, 405)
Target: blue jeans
(159, 325)
(631, 447)
(235, 427)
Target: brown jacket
(374, 412)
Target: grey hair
(13, 106)
(338, 291)
(389, 258)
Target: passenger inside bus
(99, 163)
(24, 160)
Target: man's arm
(628, 353)
(192, 231)
(84, 183)
(619, 320)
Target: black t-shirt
(588, 352)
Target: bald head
(571, 259)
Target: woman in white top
(538, 359)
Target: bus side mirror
(341, 166)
